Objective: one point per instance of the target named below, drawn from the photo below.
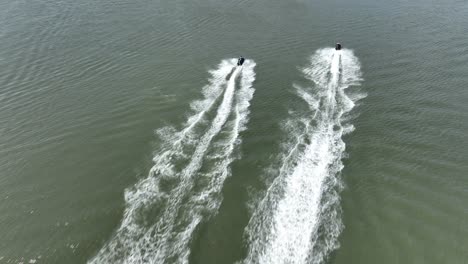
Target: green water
(92, 91)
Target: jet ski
(338, 46)
(240, 61)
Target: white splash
(163, 211)
(298, 219)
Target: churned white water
(163, 210)
(298, 220)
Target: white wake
(298, 219)
(184, 186)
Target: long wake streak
(298, 219)
(163, 210)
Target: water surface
(88, 87)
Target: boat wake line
(184, 186)
(298, 220)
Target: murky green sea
(129, 135)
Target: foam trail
(163, 210)
(298, 219)
(241, 111)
